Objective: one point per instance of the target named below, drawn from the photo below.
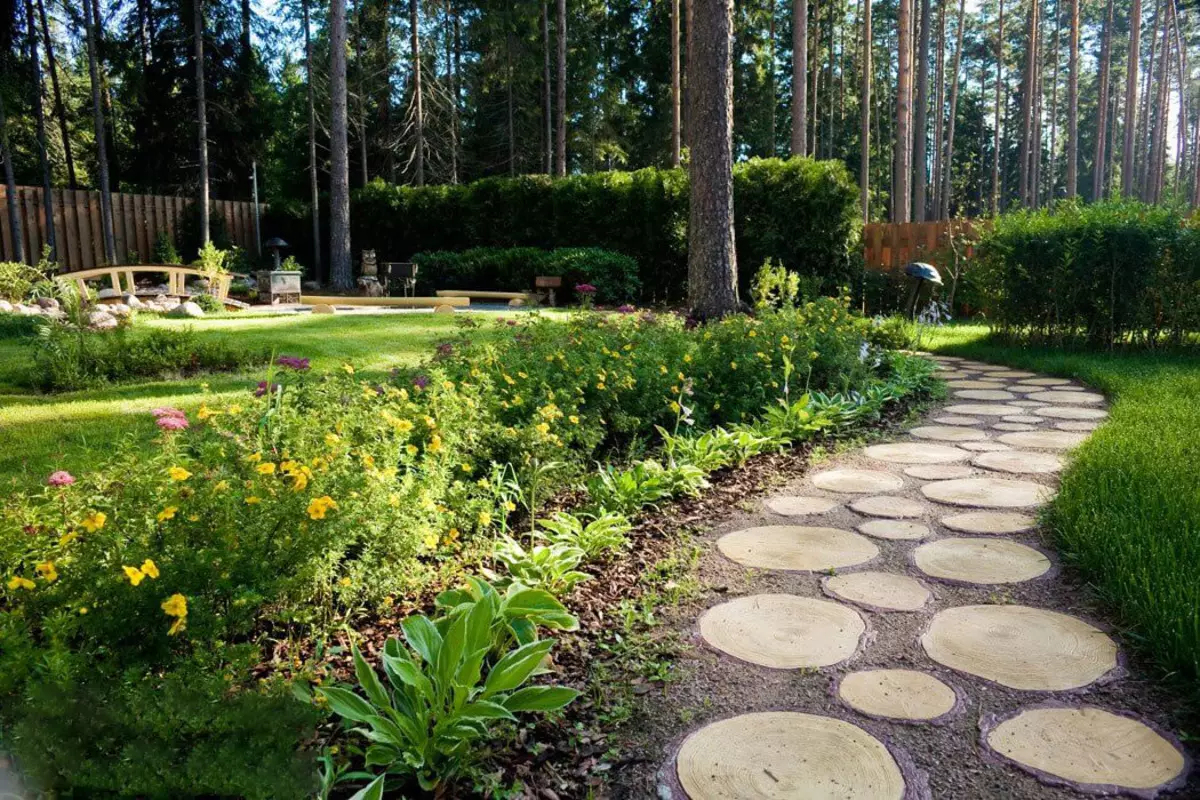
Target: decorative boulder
(101, 320)
(6, 307)
(186, 310)
(132, 301)
(118, 310)
(108, 294)
(28, 311)
(47, 302)
(322, 308)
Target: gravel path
(894, 625)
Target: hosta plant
(606, 533)
(442, 701)
(629, 490)
(552, 567)
(517, 612)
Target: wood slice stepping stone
(952, 420)
(902, 694)
(992, 522)
(1069, 389)
(801, 506)
(947, 433)
(889, 506)
(784, 755)
(915, 453)
(1013, 373)
(1088, 748)
(1044, 381)
(1072, 412)
(946, 373)
(783, 631)
(986, 561)
(1043, 440)
(939, 472)
(795, 547)
(1013, 426)
(985, 394)
(980, 410)
(974, 384)
(1021, 405)
(1020, 462)
(1020, 647)
(1077, 426)
(1028, 419)
(1066, 397)
(857, 481)
(894, 529)
(878, 591)
(984, 447)
(988, 492)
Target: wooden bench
(176, 278)
(482, 294)
(387, 302)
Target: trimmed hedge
(1102, 274)
(800, 212)
(513, 269)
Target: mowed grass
(76, 430)
(1128, 513)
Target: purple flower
(445, 349)
(264, 387)
(421, 381)
(172, 423)
(60, 478)
(293, 362)
(585, 288)
(626, 309)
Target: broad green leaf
(512, 670)
(471, 669)
(523, 630)
(372, 791)
(347, 704)
(486, 710)
(479, 626)
(409, 674)
(540, 698)
(451, 652)
(368, 679)
(423, 637)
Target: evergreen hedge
(615, 276)
(1102, 274)
(800, 212)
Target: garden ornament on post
(922, 275)
(276, 244)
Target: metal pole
(257, 234)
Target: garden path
(894, 626)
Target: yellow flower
(687, 358)
(394, 500)
(205, 412)
(83, 609)
(94, 521)
(430, 422)
(733, 365)
(253, 501)
(167, 513)
(179, 474)
(46, 570)
(752, 333)
(221, 486)
(404, 426)
(134, 574)
(431, 540)
(150, 568)
(176, 606)
(574, 419)
(299, 481)
(465, 467)
(435, 444)
(345, 581)
(784, 339)
(349, 368)
(332, 438)
(254, 458)
(67, 538)
(412, 450)
(235, 409)
(448, 385)
(485, 518)
(662, 368)
(320, 506)
(18, 582)
(542, 428)
(509, 505)
(266, 468)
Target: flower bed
(150, 589)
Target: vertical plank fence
(889, 246)
(138, 219)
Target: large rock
(118, 309)
(47, 303)
(28, 311)
(6, 307)
(132, 301)
(186, 310)
(108, 294)
(101, 320)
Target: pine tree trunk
(1131, 78)
(106, 213)
(814, 73)
(509, 98)
(360, 67)
(418, 99)
(10, 182)
(676, 97)
(864, 169)
(547, 94)
(1073, 104)
(712, 261)
(1158, 115)
(829, 117)
(1099, 159)
(1029, 88)
(201, 116)
(920, 143)
(1142, 151)
(340, 268)
(40, 125)
(771, 148)
(688, 16)
(1181, 151)
(948, 185)
(799, 77)
(901, 194)
(60, 109)
(560, 145)
(1054, 102)
(939, 116)
(999, 109)
(455, 100)
(313, 185)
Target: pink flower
(172, 423)
(167, 411)
(60, 478)
(585, 288)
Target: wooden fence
(888, 246)
(138, 219)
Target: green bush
(67, 358)
(800, 212)
(16, 279)
(208, 303)
(513, 269)
(1102, 274)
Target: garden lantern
(921, 275)
(275, 244)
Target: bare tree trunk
(999, 109)
(771, 148)
(1099, 159)
(60, 109)
(360, 68)
(414, 11)
(547, 94)
(901, 196)
(508, 93)
(1142, 154)
(920, 143)
(676, 91)
(687, 55)
(1026, 188)
(939, 116)
(712, 260)
(10, 182)
(1035, 166)
(1131, 77)
(40, 121)
(313, 185)
(339, 174)
(201, 116)
(1073, 104)
(948, 187)
(1054, 102)
(1157, 118)
(455, 100)
(864, 170)
(560, 146)
(799, 77)
(1181, 152)
(829, 142)
(106, 214)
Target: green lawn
(41, 433)
(1128, 514)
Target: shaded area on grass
(1128, 513)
